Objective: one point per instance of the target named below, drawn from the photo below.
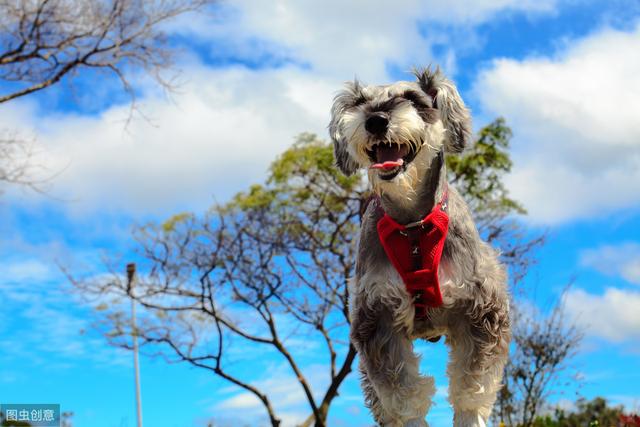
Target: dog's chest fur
(376, 276)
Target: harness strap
(415, 250)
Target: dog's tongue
(389, 156)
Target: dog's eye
(417, 99)
(359, 101)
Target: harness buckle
(415, 224)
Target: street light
(131, 275)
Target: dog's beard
(404, 187)
(407, 133)
(406, 127)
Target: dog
(422, 270)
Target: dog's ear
(455, 115)
(340, 104)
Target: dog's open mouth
(390, 159)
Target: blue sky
(254, 74)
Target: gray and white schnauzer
(422, 269)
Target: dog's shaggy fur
(431, 119)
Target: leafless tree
(544, 346)
(276, 256)
(43, 42)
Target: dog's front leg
(396, 393)
(479, 342)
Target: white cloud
(285, 393)
(631, 271)
(613, 316)
(47, 325)
(224, 129)
(621, 260)
(575, 123)
(341, 39)
(228, 123)
(28, 270)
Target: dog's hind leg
(394, 389)
(479, 350)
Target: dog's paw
(468, 419)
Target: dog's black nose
(377, 124)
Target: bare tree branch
(42, 41)
(544, 345)
(18, 164)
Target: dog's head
(396, 130)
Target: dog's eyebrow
(387, 105)
(418, 98)
(359, 99)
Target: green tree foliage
(593, 413)
(478, 175)
(5, 423)
(478, 172)
(273, 264)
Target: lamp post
(131, 275)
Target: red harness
(415, 250)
